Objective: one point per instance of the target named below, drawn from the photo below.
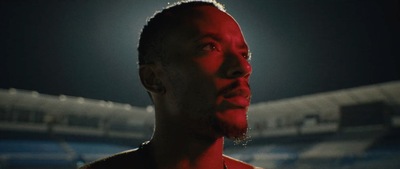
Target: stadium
(325, 82)
(350, 128)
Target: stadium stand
(314, 131)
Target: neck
(172, 149)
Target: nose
(238, 66)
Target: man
(194, 62)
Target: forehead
(207, 20)
(207, 13)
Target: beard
(199, 114)
(207, 122)
(211, 124)
(232, 125)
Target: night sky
(87, 48)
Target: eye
(209, 47)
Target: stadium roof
(34, 101)
(326, 104)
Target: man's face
(207, 74)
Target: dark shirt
(139, 158)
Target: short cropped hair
(150, 47)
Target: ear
(150, 80)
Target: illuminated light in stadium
(35, 94)
(102, 103)
(150, 109)
(110, 104)
(127, 107)
(81, 100)
(12, 91)
(62, 97)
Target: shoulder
(237, 164)
(134, 158)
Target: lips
(238, 92)
(237, 97)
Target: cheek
(203, 75)
(197, 83)
(209, 65)
(197, 91)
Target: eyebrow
(218, 38)
(213, 36)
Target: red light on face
(209, 73)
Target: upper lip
(241, 91)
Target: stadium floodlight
(62, 97)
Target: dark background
(87, 48)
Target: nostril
(240, 70)
(236, 73)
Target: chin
(233, 124)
